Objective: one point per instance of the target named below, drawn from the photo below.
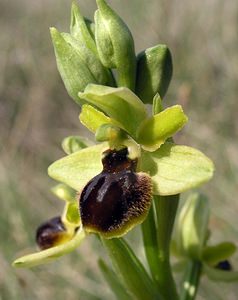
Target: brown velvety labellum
(118, 198)
(50, 233)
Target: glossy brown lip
(115, 198)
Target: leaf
(212, 255)
(120, 104)
(92, 118)
(130, 270)
(113, 281)
(175, 169)
(50, 254)
(154, 131)
(64, 192)
(78, 168)
(219, 275)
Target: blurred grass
(36, 113)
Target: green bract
(115, 44)
(154, 72)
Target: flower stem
(149, 233)
(166, 208)
(191, 280)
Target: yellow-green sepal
(78, 168)
(175, 169)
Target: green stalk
(132, 273)
(149, 233)
(191, 280)
(166, 208)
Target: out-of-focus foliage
(35, 116)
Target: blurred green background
(36, 113)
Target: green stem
(149, 233)
(166, 208)
(191, 280)
(131, 271)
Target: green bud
(154, 72)
(115, 44)
(72, 144)
(192, 226)
(82, 29)
(77, 64)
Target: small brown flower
(51, 233)
(118, 198)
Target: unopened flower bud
(117, 199)
(115, 44)
(77, 64)
(154, 72)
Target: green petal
(175, 169)
(92, 118)
(64, 192)
(49, 255)
(219, 275)
(78, 168)
(212, 255)
(154, 131)
(120, 104)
